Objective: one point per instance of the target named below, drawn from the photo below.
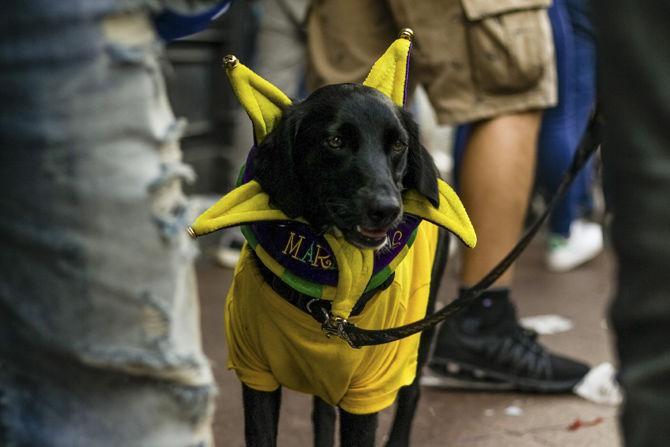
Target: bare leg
(497, 175)
(261, 416)
(498, 168)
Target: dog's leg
(408, 396)
(261, 416)
(323, 421)
(357, 430)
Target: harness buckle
(336, 326)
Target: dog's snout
(383, 211)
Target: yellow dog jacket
(273, 343)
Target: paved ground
(461, 419)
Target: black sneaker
(475, 351)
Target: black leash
(357, 337)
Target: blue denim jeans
(99, 319)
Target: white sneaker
(230, 248)
(583, 244)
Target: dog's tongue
(373, 233)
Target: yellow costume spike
(450, 214)
(263, 102)
(244, 204)
(389, 73)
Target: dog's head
(341, 159)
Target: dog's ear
(421, 172)
(274, 166)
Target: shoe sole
(501, 381)
(446, 382)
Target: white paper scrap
(600, 386)
(547, 324)
(513, 410)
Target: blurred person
(279, 52)
(572, 240)
(634, 68)
(490, 64)
(99, 320)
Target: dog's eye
(398, 146)
(334, 142)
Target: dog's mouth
(360, 234)
(374, 238)
(372, 233)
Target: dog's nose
(383, 211)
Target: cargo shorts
(476, 59)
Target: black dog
(341, 159)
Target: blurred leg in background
(99, 319)
(573, 239)
(635, 68)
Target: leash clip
(336, 326)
